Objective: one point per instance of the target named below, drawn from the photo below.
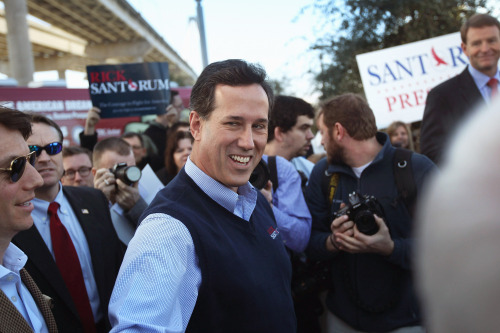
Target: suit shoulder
(83, 192)
(453, 83)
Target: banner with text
(396, 80)
(127, 90)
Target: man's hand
(172, 115)
(358, 242)
(267, 192)
(127, 195)
(105, 181)
(93, 117)
(339, 225)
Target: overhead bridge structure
(71, 34)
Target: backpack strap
(303, 180)
(403, 175)
(273, 171)
(329, 184)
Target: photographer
(122, 191)
(372, 287)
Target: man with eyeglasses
(77, 162)
(73, 250)
(22, 305)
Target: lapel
(85, 214)
(40, 300)
(11, 320)
(468, 89)
(39, 256)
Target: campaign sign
(127, 90)
(397, 80)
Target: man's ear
(464, 48)
(278, 134)
(339, 131)
(195, 125)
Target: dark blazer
(447, 105)
(92, 211)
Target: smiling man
(451, 101)
(22, 307)
(215, 260)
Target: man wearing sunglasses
(22, 305)
(73, 250)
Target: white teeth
(240, 159)
(27, 203)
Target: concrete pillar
(62, 74)
(18, 42)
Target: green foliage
(278, 86)
(359, 26)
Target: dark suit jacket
(447, 105)
(91, 208)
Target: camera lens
(260, 175)
(365, 222)
(133, 174)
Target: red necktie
(69, 266)
(493, 84)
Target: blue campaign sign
(127, 90)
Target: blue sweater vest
(244, 265)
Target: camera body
(127, 174)
(360, 210)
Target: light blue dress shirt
(481, 81)
(157, 286)
(289, 206)
(70, 221)
(10, 283)
(303, 164)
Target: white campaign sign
(396, 80)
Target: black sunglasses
(51, 149)
(18, 165)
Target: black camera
(360, 210)
(260, 175)
(127, 174)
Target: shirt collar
(42, 206)
(217, 191)
(14, 259)
(481, 79)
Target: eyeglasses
(83, 171)
(51, 149)
(18, 165)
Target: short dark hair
(37, 118)
(178, 124)
(477, 21)
(117, 145)
(129, 135)
(353, 113)
(285, 111)
(232, 72)
(76, 150)
(16, 120)
(173, 93)
(172, 142)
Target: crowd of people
(162, 231)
